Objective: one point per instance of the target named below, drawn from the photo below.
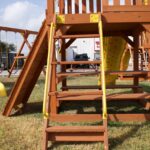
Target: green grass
(24, 132)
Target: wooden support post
(53, 87)
(105, 124)
(63, 58)
(136, 58)
(50, 11)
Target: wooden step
(128, 96)
(123, 117)
(76, 62)
(133, 73)
(77, 36)
(76, 93)
(98, 87)
(75, 129)
(76, 133)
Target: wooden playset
(85, 19)
(25, 34)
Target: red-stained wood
(98, 5)
(138, 2)
(76, 6)
(97, 117)
(118, 97)
(61, 6)
(127, 2)
(116, 2)
(84, 6)
(30, 72)
(91, 6)
(69, 6)
(105, 2)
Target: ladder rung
(119, 97)
(77, 36)
(138, 73)
(76, 93)
(98, 87)
(20, 57)
(76, 62)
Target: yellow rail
(46, 89)
(103, 80)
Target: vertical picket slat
(105, 3)
(98, 5)
(91, 6)
(127, 2)
(83, 6)
(69, 6)
(61, 7)
(137, 2)
(76, 6)
(116, 2)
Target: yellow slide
(113, 51)
(3, 92)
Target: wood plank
(126, 9)
(98, 87)
(105, 2)
(20, 57)
(121, 17)
(77, 36)
(97, 117)
(69, 6)
(137, 73)
(76, 137)
(61, 6)
(27, 79)
(84, 6)
(119, 97)
(138, 2)
(76, 6)
(76, 129)
(98, 5)
(91, 6)
(76, 93)
(76, 62)
(127, 2)
(116, 2)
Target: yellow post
(145, 2)
(103, 80)
(3, 92)
(45, 113)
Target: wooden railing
(89, 6)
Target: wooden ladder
(51, 95)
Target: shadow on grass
(114, 142)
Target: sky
(27, 14)
(24, 14)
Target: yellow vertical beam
(145, 2)
(103, 80)
(46, 89)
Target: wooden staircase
(96, 133)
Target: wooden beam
(96, 117)
(128, 40)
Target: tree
(5, 48)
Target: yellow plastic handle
(103, 80)
(45, 113)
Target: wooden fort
(73, 19)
